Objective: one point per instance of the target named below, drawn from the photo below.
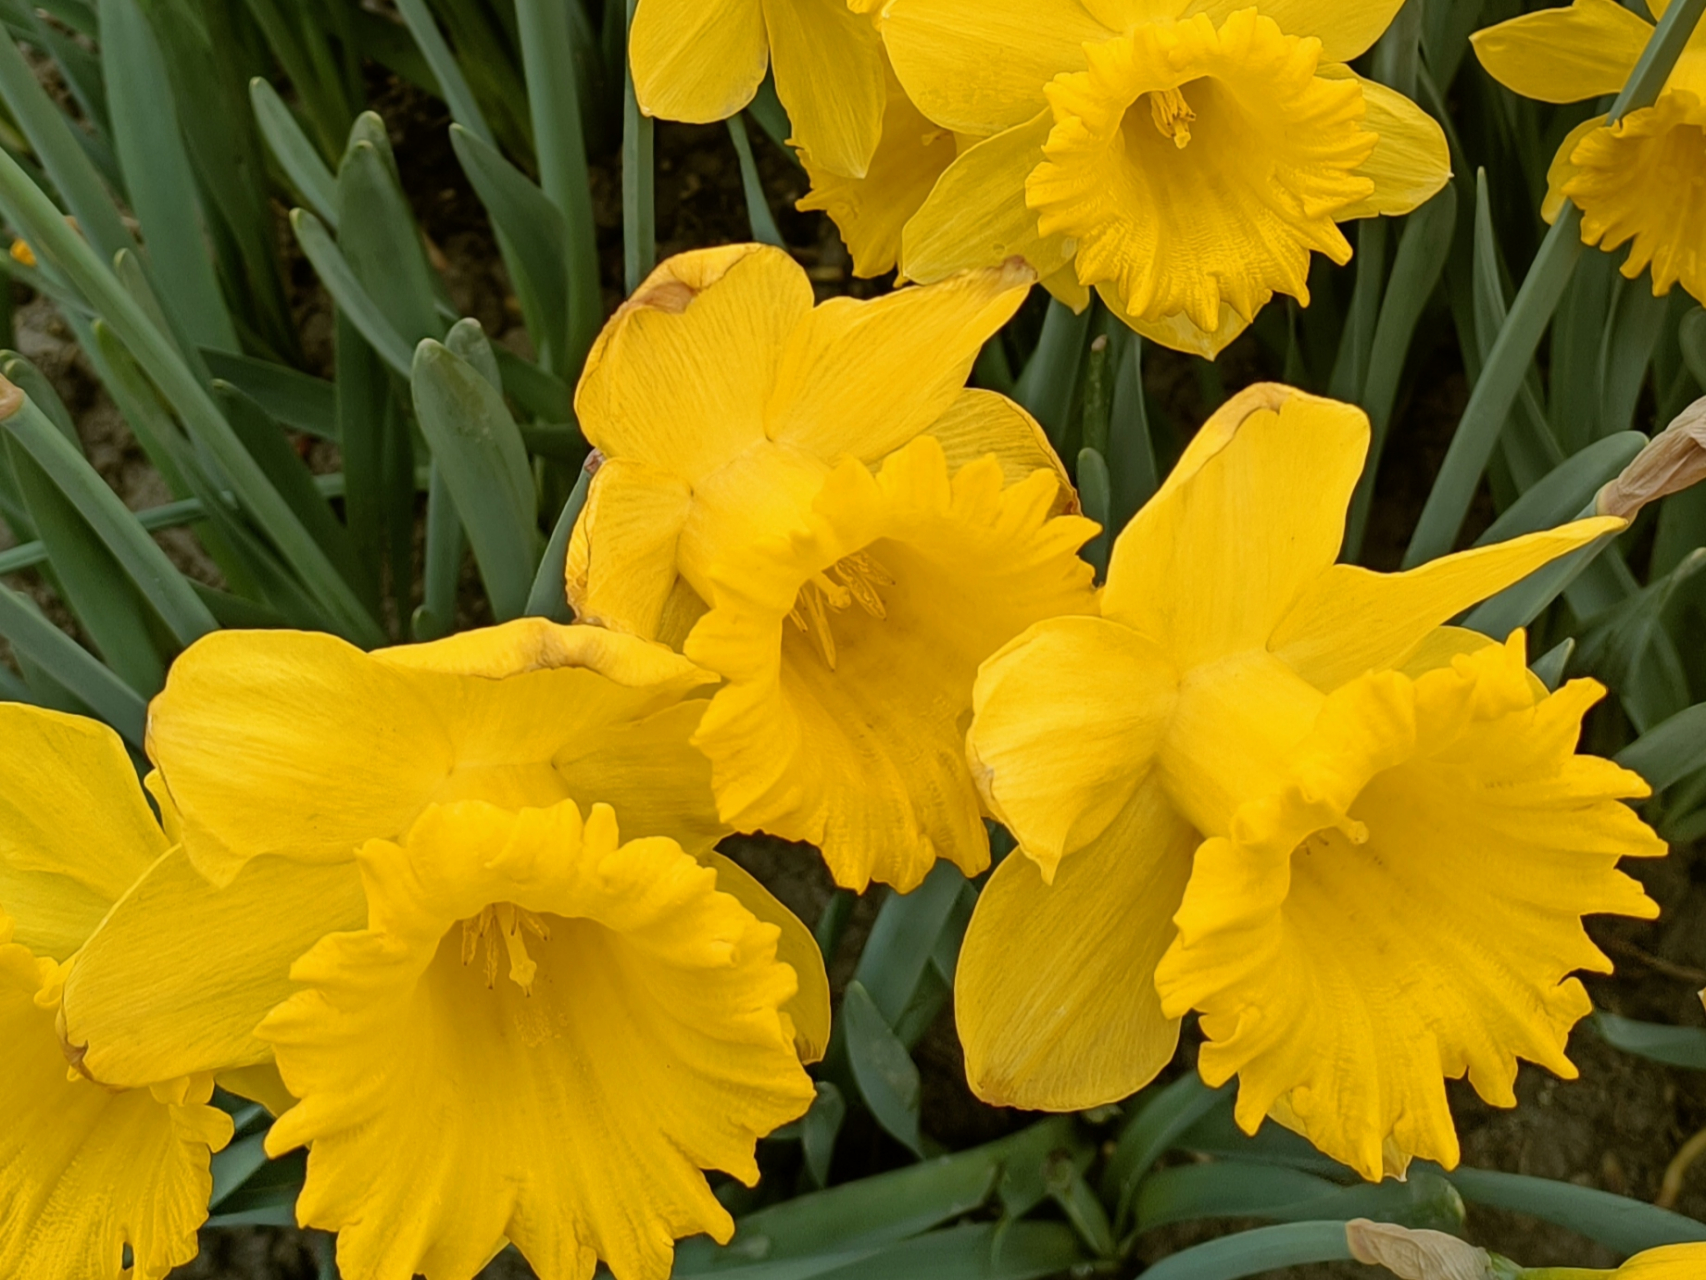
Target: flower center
(1172, 115)
(500, 926)
(854, 579)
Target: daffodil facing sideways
(1181, 157)
(542, 1036)
(703, 60)
(811, 504)
(1641, 181)
(1277, 791)
(87, 1173)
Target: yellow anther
(1172, 116)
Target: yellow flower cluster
(1183, 158)
(453, 911)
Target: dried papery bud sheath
(1417, 1255)
(1674, 461)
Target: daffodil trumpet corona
(809, 502)
(88, 1174)
(1640, 181)
(1280, 793)
(1183, 158)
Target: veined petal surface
(590, 1023)
(1584, 50)
(1345, 31)
(85, 1171)
(681, 374)
(697, 60)
(1409, 164)
(301, 745)
(1218, 557)
(75, 828)
(863, 377)
(981, 69)
(831, 77)
(180, 974)
(1048, 993)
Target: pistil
(500, 925)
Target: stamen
(1172, 116)
(500, 927)
(853, 579)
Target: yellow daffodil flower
(863, 529)
(85, 1171)
(1277, 791)
(541, 1036)
(702, 61)
(1181, 157)
(1637, 182)
(282, 753)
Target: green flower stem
(639, 214)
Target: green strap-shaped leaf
(297, 400)
(1624, 1225)
(378, 237)
(882, 1068)
(1045, 387)
(157, 174)
(352, 300)
(1670, 751)
(901, 938)
(295, 154)
(553, 74)
(1093, 494)
(452, 84)
(55, 146)
(758, 215)
(1230, 1190)
(147, 566)
(1250, 1253)
(1167, 1113)
(35, 638)
(479, 451)
(1673, 1046)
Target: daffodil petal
(1184, 578)
(976, 215)
(682, 372)
(1565, 54)
(1055, 766)
(1410, 163)
(796, 948)
(1670, 1262)
(591, 1023)
(982, 424)
(697, 60)
(982, 69)
(299, 744)
(1052, 993)
(75, 828)
(862, 377)
(1352, 620)
(870, 211)
(1346, 31)
(178, 977)
(85, 1171)
(1064, 287)
(860, 749)
(830, 76)
(622, 569)
(1344, 971)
